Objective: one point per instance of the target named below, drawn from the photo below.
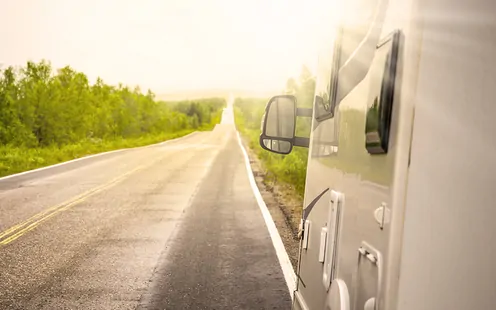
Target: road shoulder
(284, 208)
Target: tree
(39, 108)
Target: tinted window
(332, 80)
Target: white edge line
(91, 156)
(282, 255)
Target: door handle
(331, 238)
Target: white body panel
(449, 231)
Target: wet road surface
(170, 226)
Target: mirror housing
(279, 125)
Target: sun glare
(171, 45)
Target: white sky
(165, 45)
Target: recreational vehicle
(400, 199)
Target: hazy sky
(165, 45)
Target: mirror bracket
(304, 112)
(301, 141)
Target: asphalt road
(171, 226)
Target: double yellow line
(31, 223)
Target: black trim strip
(309, 208)
(301, 280)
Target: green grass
(19, 159)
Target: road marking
(31, 223)
(282, 255)
(16, 231)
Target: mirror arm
(305, 112)
(301, 141)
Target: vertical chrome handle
(332, 230)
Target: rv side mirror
(278, 124)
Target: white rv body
(412, 228)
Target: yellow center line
(38, 215)
(31, 223)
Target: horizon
(167, 46)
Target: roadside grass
(19, 159)
(15, 159)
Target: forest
(48, 116)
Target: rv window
(358, 19)
(381, 95)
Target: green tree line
(45, 112)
